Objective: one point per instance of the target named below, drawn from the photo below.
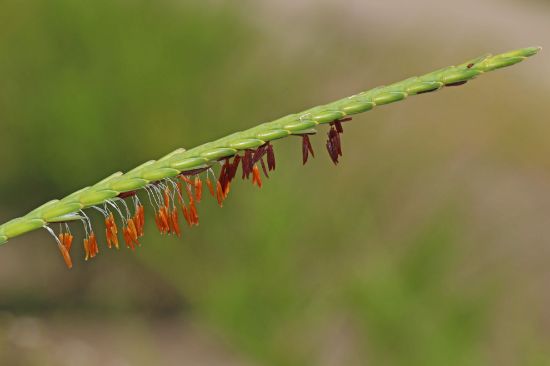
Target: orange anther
(132, 230)
(175, 223)
(194, 216)
(163, 215)
(186, 215)
(198, 189)
(65, 254)
(86, 249)
(210, 187)
(220, 194)
(256, 178)
(108, 237)
(68, 241)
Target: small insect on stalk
(173, 185)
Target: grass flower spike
(173, 185)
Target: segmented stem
(208, 154)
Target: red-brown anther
(175, 223)
(335, 136)
(306, 148)
(264, 168)
(193, 172)
(270, 157)
(210, 187)
(198, 189)
(247, 163)
(234, 167)
(332, 152)
(338, 124)
(334, 146)
(256, 178)
(225, 173)
(127, 194)
(259, 154)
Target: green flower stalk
(174, 181)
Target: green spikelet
(208, 154)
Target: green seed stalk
(208, 154)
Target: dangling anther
(65, 253)
(306, 148)
(334, 146)
(198, 189)
(220, 196)
(64, 242)
(90, 246)
(247, 163)
(210, 187)
(256, 178)
(175, 223)
(270, 157)
(111, 231)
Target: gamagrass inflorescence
(174, 183)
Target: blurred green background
(428, 245)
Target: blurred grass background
(428, 245)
